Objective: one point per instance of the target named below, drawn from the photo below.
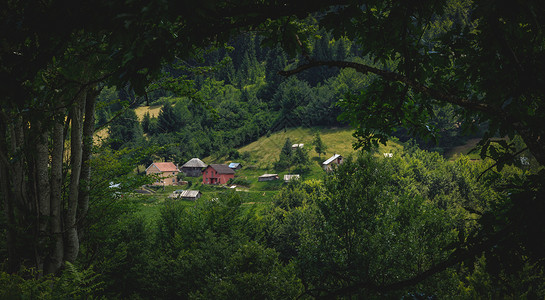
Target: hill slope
(264, 152)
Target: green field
(262, 154)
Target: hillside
(264, 152)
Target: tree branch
(396, 77)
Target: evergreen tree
(285, 159)
(319, 145)
(168, 120)
(146, 123)
(125, 129)
(300, 158)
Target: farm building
(193, 168)
(186, 194)
(295, 146)
(289, 177)
(332, 162)
(267, 177)
(167, 172)
(190, 195)
(217, 174)
(235, 166)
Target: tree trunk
(55, 258)
(85, 178)
(72, 239)
(6, 193)
(42, 192)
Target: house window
(173, 179)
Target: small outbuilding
(193, 168)
(267, 177)
(190, 195)
(332, 162)
(295, 146)
(235, 166)
(289, 177)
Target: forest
(94, 93)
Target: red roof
(166, 166)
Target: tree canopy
(484, 60)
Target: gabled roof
(234, 165)
(332, 158)
(268, 175)
(194, 163)
(189, 194)
(165, 166)
(222, 169)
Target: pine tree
(285, 159)
(168, 120)
(300, 158)
(319, 145)
(146, 123)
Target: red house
(217, 174)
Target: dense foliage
(408, 225)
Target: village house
(166, 171)
(193, 168)
(235, 166)
(332, 162)
(267, 177)
(217, 174)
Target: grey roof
(222, 169)
(189, 194)
(269, 175)
(194, 163)
(234, 165)
(332, 158)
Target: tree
(286, 154)
(300, 158)
(319, 146)
(51, 73)
(125, 129)
(146, 123)
(168, 120)
(481, 57)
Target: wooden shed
(193, 168)
(267, 177)
(332, 162)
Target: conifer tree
(319, 145)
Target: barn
(217, 174)
(267, 177)
(193, 168)
(332, 162)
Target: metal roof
(234, 165)
(194, 163)
(269, 175)
(222, 169)
(332, 158)
(189, 194)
